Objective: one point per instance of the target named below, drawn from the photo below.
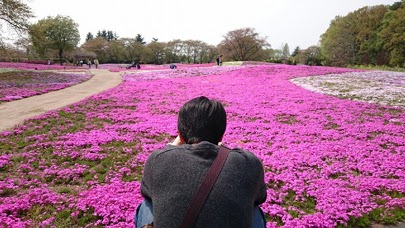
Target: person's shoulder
(166, 149)
(245, 154)
(245, 160)
(156, 154)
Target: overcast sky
(296, 22)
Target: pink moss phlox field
(31, 66)
(22, 84)
(150, 67)
(115, 203)
(11, 207)
(179, 73)
(327, 160)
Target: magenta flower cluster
(150, 67)
(179, 73)
(326, 159)
(31, 66)
(22, 84)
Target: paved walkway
(15, 112)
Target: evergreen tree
(107, 35)
(296, 51)
(286, 51)
(396, 5)
(139, 38)
(89, 36)
(104, 34)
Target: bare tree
(243, 44)
(173, 51)
(14, 14)
(154, 53)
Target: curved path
(15, 112)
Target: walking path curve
(15, 112)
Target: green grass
(331, 126)
(39, 213)
(372, 67)
(306, 204)
(3, 70)
(293, 204)
(62, 218)
(7, 192)
(378, 215)
(287, 119)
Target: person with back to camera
(172, 176)
(96, 63)
(219, 60)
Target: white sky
(296, 22)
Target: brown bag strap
(205, 188)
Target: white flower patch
(381, 87)
(72, 72)
(2, 70)
(234, 63)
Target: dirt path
(15, 112)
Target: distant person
(172, 66)
(130, 66)
(173, 175)
(89, 63)
(135, 65)
(96, 63)
(81, 62)
(219, 60)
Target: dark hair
(202, 119)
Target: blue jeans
(144, 215)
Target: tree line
(59, 36)
(128, 50)
(370, 35)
